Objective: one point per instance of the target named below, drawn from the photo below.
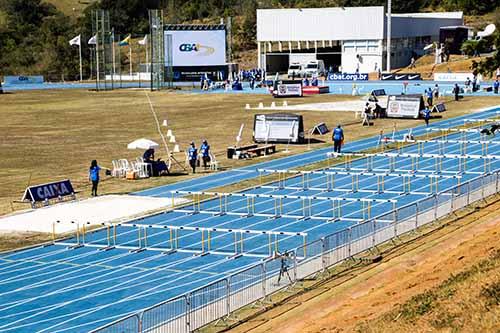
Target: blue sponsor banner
(15, 80)
(39, 193)
(347, 77)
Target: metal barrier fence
(217, 300)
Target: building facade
(347, 39)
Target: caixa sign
(45, 192)
(347, 77)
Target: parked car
(295, 70)
(315, 68)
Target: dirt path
(426, 263)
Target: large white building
(350, 37)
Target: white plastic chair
(117, 169)
(214, 164)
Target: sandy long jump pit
(102, 209)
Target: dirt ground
(371, 299)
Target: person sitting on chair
(149, 158)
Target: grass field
(51, 135)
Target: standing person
(436, 91)
(94, 176)
(474, 83)
(205, 153)
(338, 138)
(456, 91)
(429, 97)
(284, 266)
(495, 86)
(427, 115)
(193, 156)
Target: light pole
(388, 61)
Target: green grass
(72, 8)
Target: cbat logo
(201, 50)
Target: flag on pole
(125, 42)
(144, 41)
(75, 41)
(93, 40)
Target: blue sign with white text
(347, 77)
(15, 80)
(39, 193)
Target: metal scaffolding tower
(161, 53)
(103, 49)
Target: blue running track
(63, 288)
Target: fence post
(294, 266)
(468, 193)
(349, 238)
(139, 321)
(395, 213)
(263, 280)
(323, 253)
(496, 187)
(228, 296)
(188, 315)
(435, 206)
(482, 188)
(374, 231)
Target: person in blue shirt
(94, 176)
(429, 97)
(496, 84)
(427, 115)
(338, 138)
(193, 156)
(205, 153)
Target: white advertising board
(403, 109)
(197, 47)
(452, 77)
(276, 130)
(288, 90)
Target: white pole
(147, 58)
(113, 50)
(388, 65)
(130, 58)
(81, 67)
(97, 60)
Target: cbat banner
(347, 77)
(15, 80)
(197, 48)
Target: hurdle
(407, 155)
(463, 144)
(206, 235)
(381, 178)
(278, 201)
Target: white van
(315, 68)
(295, 70)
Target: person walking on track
(338, 138)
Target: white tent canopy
(143, 144)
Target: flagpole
(130, 57)
(81, 67)
(113, 50)
(147, 55)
